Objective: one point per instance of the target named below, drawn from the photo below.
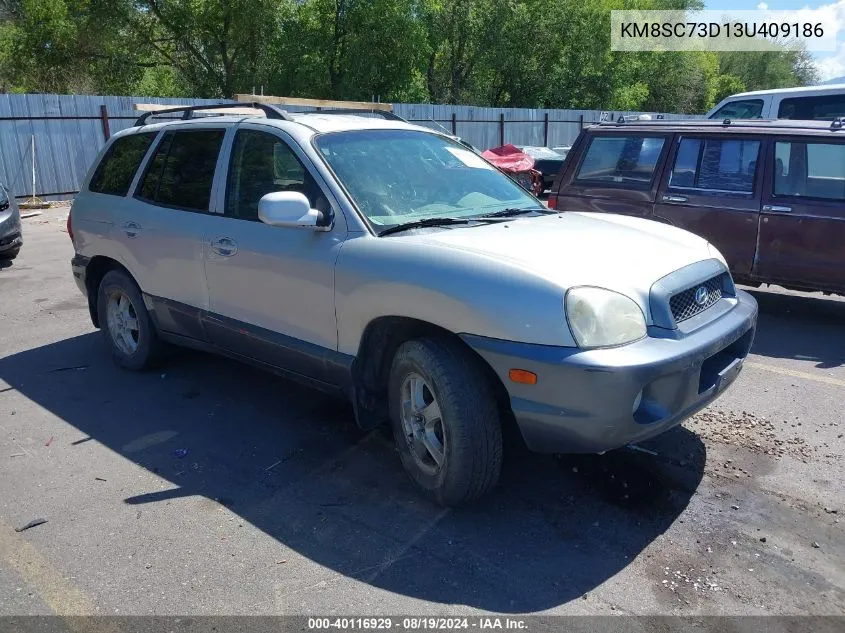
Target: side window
(263, 163)
(824, 107)
(812, 170)
(740, 109)
(181, 172)
(120, 162)
(718, 165)
(621, 159)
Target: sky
(830, 64)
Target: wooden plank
(315, 103)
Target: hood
(620, 253)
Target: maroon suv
(770, 195)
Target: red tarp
(508, 158)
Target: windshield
(399, 176)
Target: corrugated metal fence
(69, 130)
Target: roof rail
(390, 116)
(271, 112)
(785, 124)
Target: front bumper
(584, 400)
(11, 242)
(11, 234)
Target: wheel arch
(96, 269)
(371, 369)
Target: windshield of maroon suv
(399, 176)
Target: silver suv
(388, 264)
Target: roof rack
(270, 111)
(390, 116)
(790, 124)
(325, 106)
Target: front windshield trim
(374, 229)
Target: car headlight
(603, 318)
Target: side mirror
(291, 209)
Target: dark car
(11, 236)
(770, 195)
(547, 161)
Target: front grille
(684, 305)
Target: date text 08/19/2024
(416, 623)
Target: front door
(616, 173)
(272, 288)
(802, 227)
(712, 188)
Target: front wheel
(125, 322)
(445, 420)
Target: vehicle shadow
(293, 464)
(803, 327)
(5, 263)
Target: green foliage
(519, 53)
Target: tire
(469, 430)
(10, 255)
(146, 351)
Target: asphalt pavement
(209, 487)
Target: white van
(807, 103)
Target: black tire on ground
(471, 428)
(10, 255)
(149, 348)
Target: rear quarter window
(823, 107)
(114, 174)
(621, 159)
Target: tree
(520, 53)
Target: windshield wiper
(419, 224)
(512, 211)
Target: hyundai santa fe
(388, 264)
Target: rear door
(802, 228)
(165, 226)
(711, 187)
(615, 172)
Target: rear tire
(125, 323)
(445, 421)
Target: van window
(823, 107)
(181, 172)
(740, 109)
(621, 159)
(811, 170)
(120, 162)
(717, 165)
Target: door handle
(775, 208)
(674, 198)
(132, 229)
(224, 246)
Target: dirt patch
(755, 433)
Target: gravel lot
(282, 506)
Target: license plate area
(723, 367)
